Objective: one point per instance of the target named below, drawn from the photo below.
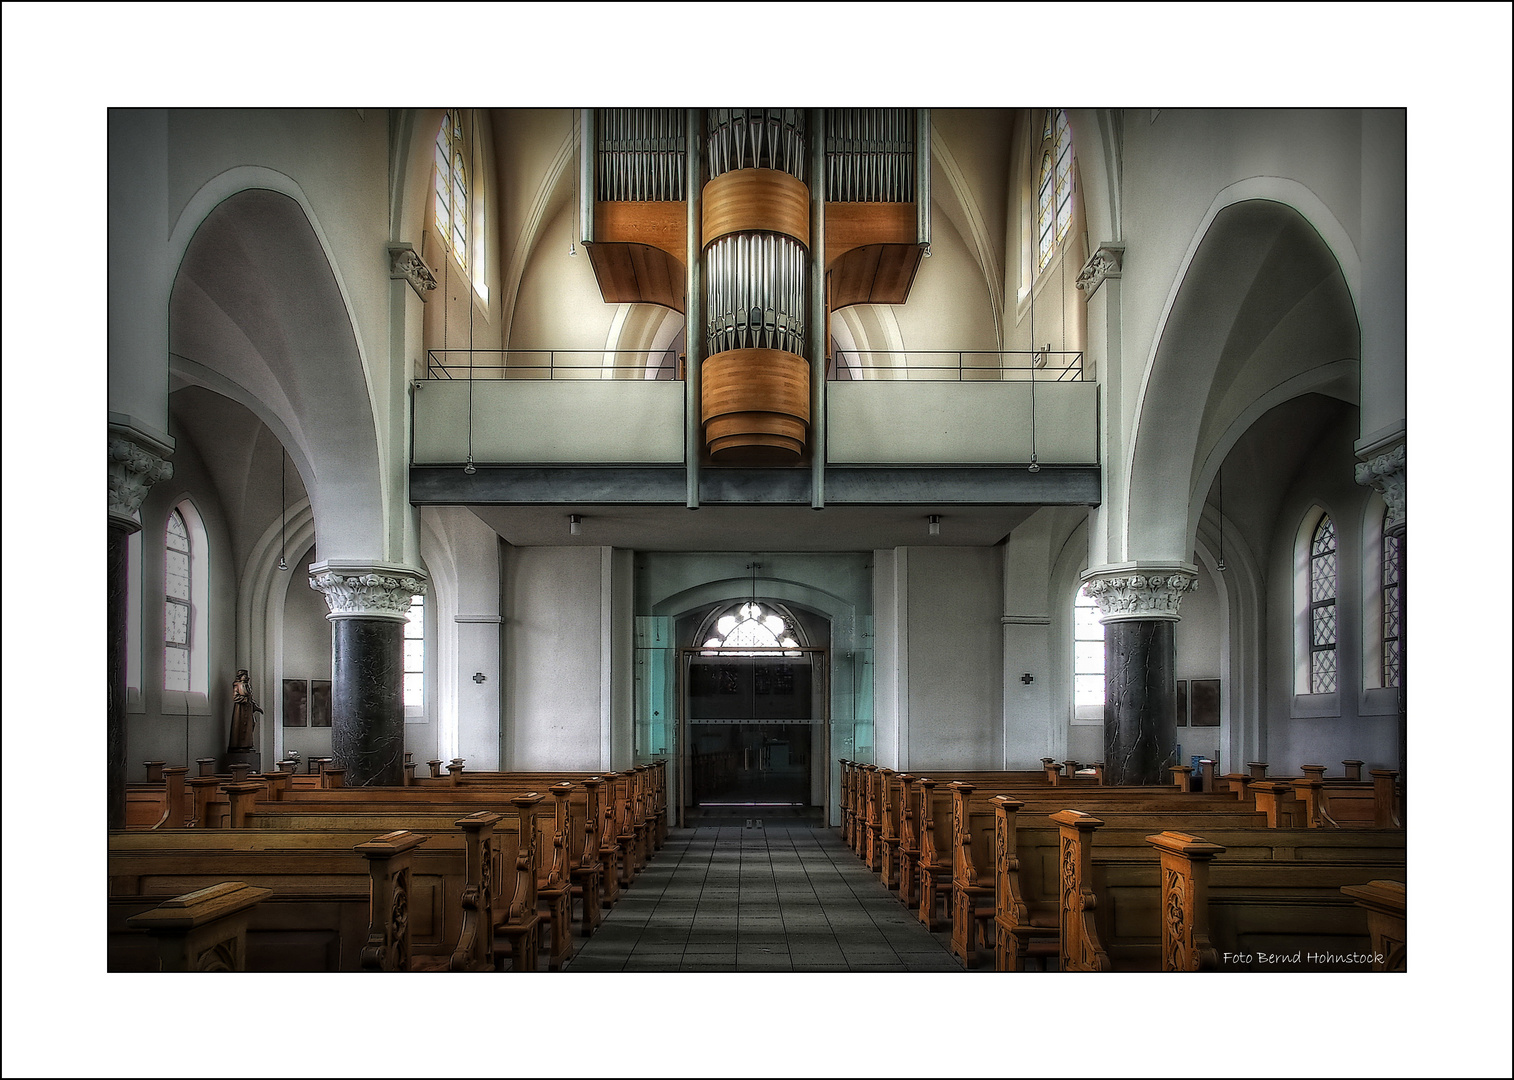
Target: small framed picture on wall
(1182, 699)
(1206, 703)
(295, 700)
(320, 702)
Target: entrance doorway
(756, 731)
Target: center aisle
(781, 898)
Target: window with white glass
(415, 657)
(1088, 659)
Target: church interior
(750, 448)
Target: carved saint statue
(244, 722)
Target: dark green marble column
(368, 603)
(1138, 605)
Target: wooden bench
(401, 808)
(315, 916)
(1273, 902)
(974, 837)
(1026, 854)
(320, 879)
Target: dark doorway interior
(752, 733)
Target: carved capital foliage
(367, 591)
(405, 263)
(1385, 474)
(1107, 261)
(1149, 592)
(132, 470)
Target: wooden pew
(1026, 859)
(403, 808)
(1386, 906)
(315, 917)
(205, 930)
(1273, 901)
(318, 916)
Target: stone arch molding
(1155, 493)
(794, 593)
(260, 313)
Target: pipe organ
(764, 244)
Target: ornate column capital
(1385, 474)
(131, 468)
(1107, 261)
(364, 590)
(1140, 590)
(405, 262)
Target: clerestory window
(1054, 185)
(458, 210)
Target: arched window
(178, 603)
(186, 586)
(415, 657)
(1054, 185)
(1322, 621)
(1088, 659)
(751, 626)
(458, 213)
(1391, 619)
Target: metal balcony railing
(861, 365)
(553, 364)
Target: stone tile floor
(783, 897)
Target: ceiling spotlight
(935, 524)
(575, 521)
(470, 468)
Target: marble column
(132, 469)
(1384, 470)
(1138, 605)
(368, 603)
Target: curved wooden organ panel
(755, 382)
(755, 242)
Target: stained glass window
(453, 150)
(1088, 654)
(415, 654)
(1391, 611)
(1322, 587)
(177, 603)
(1054, 185)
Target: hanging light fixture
(1220, 566)
(1035, 466)
(283, 513)
(575, 521)
(468, 468)
(573, 134)
(935, 524)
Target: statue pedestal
(242, 757)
